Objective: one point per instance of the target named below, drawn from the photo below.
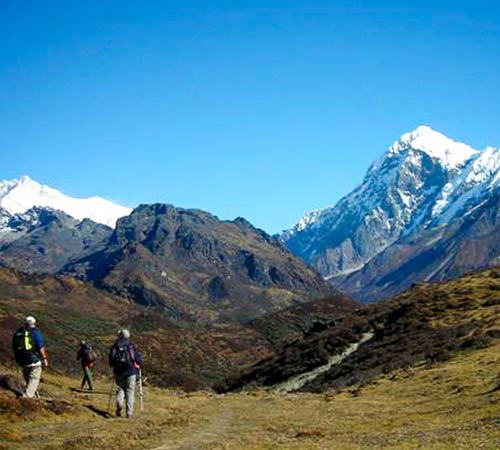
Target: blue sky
(259, 109)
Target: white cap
(125, 334)
(30, 321)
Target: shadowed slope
(298, 321)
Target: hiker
(125, 359)
(87, 357)
(30, 353)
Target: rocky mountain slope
(44, 240)
(469, 243)
(194, 266)
(18, 196)
(422, 189)
(427, 324)
(186, 262)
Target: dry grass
(452, 405)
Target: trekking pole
(140, 390)
(111, 393)
(57, 372)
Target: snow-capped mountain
(424, 181)
(18, 196)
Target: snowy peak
(451, 154)
(424, 181)
(306, 221)
(383, 175)
(18, 196)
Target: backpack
(24, 348)
(121, 358)
(89, 356)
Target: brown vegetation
(451, 405)
(181, 354)
(428, 324)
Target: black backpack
(121, 358)
(88, 354)
(23, 347)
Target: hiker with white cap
(125, 359)
(30, 353)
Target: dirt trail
(301, 380)
(201, 435)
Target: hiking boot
(118, 412)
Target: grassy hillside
(451, 405)
(430, 379)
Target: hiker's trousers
(32, 375)
(87, 377)
(125, 390)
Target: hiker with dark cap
(87, 357)
(125, 359)
(30, 353)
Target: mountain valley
(221, 306)
(443, 394)
(187, 263)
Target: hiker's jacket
(135, 356)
